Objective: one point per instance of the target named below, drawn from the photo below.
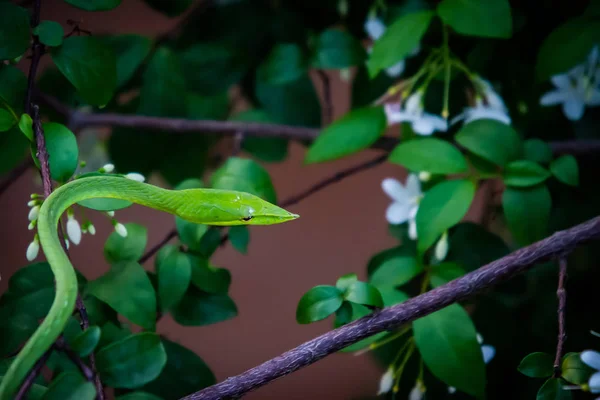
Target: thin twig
(484, 278)
(86, 371)
(33, 374)
(561, 293)
(172, 234)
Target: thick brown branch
(484, 278)
(561, 293)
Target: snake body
(203, 206)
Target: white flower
(120, 229)
(487, 351)
(387, 381)
(429, 123)
(67, 244)
(406, 200)
(417, 392)
(576, 88)
(33, 213)
(33, 249)
(494, 100)
(32, 225)
(110, 213)
(422, 122)
(73, 230)
(91, 229)
(481, 111)
(135, 177)
(424, 176)
(108, 168)
(441, 248)
(592, 359)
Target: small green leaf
(198, 308)
(129, 248)
(574, 370)
(63, 153)
(472, 246)
(364, 293)
(538, 151)
(527, 211)
(472, 17)
(138, 395)
(127, 289)
(337, 49)
(208, 278)
(132, 362)
(566, 170)
(285, 63)
(246, 176)
(70, 386)
(430, 155)
(90, 65)
(14, 30)
(537, 365)
(13, 84)
(395, 271)
(94, 5)
(239, 236)
(318, 303)
(399, 40)
(13, 146)
(552, 389)
(7, 120)
(443, 206)
(26, 126)
(174, 276)
(130, 50)
(85, 343)
(490, 139)
(447, 341)
(444, 273)
(524, 173)
(345, 281)
(355, 131)
(50, 33)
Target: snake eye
(247, 218)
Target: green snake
(202, 206)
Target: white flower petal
(394, 189)
(413, 186)
(561, 81)
(412, 229)
(108, 168)
(395, 115)
(120, 229)
(374, 27)
(135, 177)
(386, 382)
(487, 113)
(74, 231)
(591, 358)
(397, 213)
(441, 247)
(414, 104)
(397, 69)
(479, 338)
(429, 123)
(593, 97)
(451, 389)
(32, 250)
(416, 393)
(91, 229)
(574, 108)
(594, 383)
(34, 213)
(552, 98)
(488, 353)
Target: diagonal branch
(484, 278)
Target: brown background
(339, 230)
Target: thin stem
(447, 67)
(33, 374)
(561, 293)
(172, 234)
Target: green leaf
(318, 303)
(130, 50)
(138, 395)
(490, 139)
(183, 374)
(444, 273)
(472, 246)
(472, 17)
(129, 248)
(70, 386)
(345, 281)
(363, 293)
(244, 175)
(50, 33)
(63, 153)
(174, 276)
(566, 170)
(127, 289)
(239, 236)
(356, 131)
(552, 390)
(524, 173)
(13, 84)
(198, 308)
(574, 370)
(94, 5)
(395, 271)
(7, 120)
(567, 46)
(14, 31)
(171, 8)
(13, 146)
(399, 40)
(90, 65)
(447, 341)
(537, 150)
(337, 49)
(208, 278)
(190, 233)
(430, 155)
(26, 126)
(132, 362)
(527, 211)
(112, 333)
(284, 64)
(16, 329)
(85, 343)
(269, 149)
(537, 365)
(443, 206)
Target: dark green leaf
(84, 343)
(395, 271)
(70, 386)
(443, 206)
(13, 146)
(132, 362)
(524, 173)
(171, 8)
(14, 31)
(336, 49)
(345, 281)
(574, 370)
(94, 5)
(472, 246)
(63, 153)
(399, 40)
(392, 297)
(112, 333)
(565, 169)
(538, 151)
(128, 290)
(26, 126)
(444, 273)
(239, 236)
(527, 211)
(198, 308)
(552, 390)
(209, 278)
(447, 341)
(50, 33)
(13, 84)
(90, 65)
(363, 293)
(472, 17)
(269, 149)
(138, 395)
(129, 248)
(284, 64)
(318, 303)
(31, 292)
(537, 365)
(99, 313)
(246, 176)
(491, 140)
(430, 155)
(16, 329)
(356, 131)
(190, 233)
(183, 374)
(130, 51)
(174, 276)
(7, 120)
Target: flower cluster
(577, 88)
